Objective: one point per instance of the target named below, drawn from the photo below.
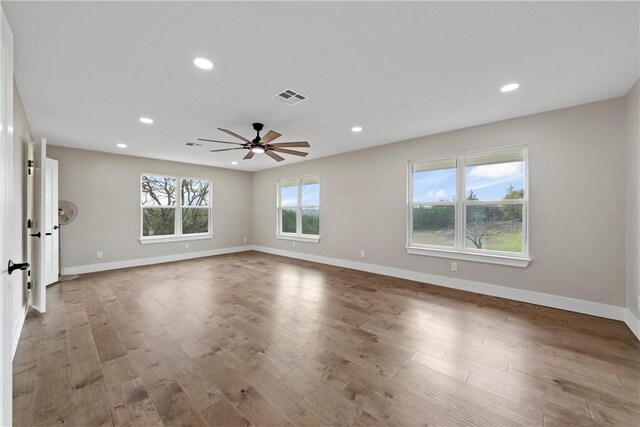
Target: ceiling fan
(261, 144)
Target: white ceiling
(86, 71)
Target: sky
(489, 182)
(310, 195)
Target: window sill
(169, 239)
(307, 239)
(512, 261)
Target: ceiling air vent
(193, 144)
(289, 97)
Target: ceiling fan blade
(295, 153)
(270, 136)
(226, 149)
(274, 156)
(234, 134)
(249, 155)
(292, 144)
(215, 140)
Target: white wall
(577, 219)
(106, 189)
(632, 169)
(21, 136)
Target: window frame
(298, 235)
(178, 236)
(459, 250)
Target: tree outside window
(165, 214)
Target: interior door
(50, 235)
(7, 222)
(38, 163)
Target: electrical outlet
(186, 246)
(361, 254)
(454, 266)
(293, 244)
(246, 240)
(98, 255)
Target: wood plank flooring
(255, 339)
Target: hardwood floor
(257, 339)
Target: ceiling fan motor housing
(257, 127)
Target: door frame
(38, 277)
(7, 188)
(50, 228)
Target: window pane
(311, 221)
(434, 225)
(195, 220)
(495, 176)
(434, 181)
(158, 191)
(195, 192)
(310, 191)
(495, 227)
(289, 193)
(288, 220)
(158, 221)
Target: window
(299, 208)
(168, 215)
(470, 206)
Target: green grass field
(509, 240)
(433, 238)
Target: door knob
(20, 266)
(55, 227)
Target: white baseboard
(547, 300)
(92, 268)
(632, 322)
(17, 330)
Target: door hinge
(29, 224)
(30, 164)
(29, 286)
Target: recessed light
(234, 163)
(356, 129)
(121, 145)
(257, 149)
(510, 87)
(146, 120)
(203, 63)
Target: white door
(7, 221)
(38, 227)
(50, 235)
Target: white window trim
(460, 252)
(298, 236)
(178, 236)
(147, 240)
(302, 238)
(497, 258)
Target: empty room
(319, 213)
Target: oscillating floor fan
(67, 212)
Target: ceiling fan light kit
(261, 145)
